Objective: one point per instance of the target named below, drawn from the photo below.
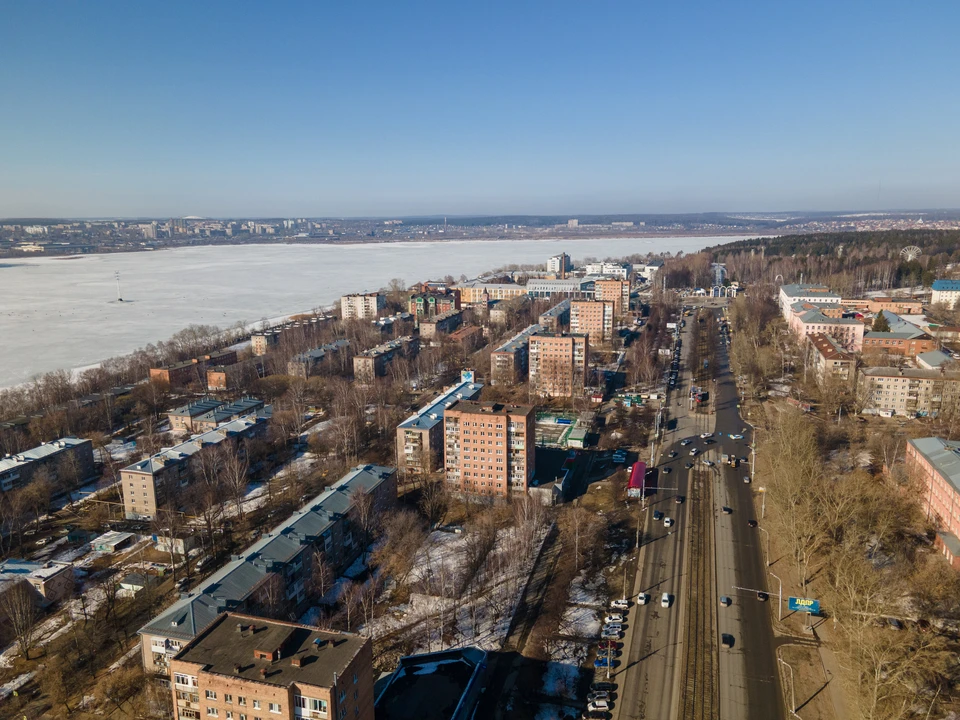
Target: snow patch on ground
(580, 622)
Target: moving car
(688, 465)
(736, 437)
(668, 522)
(725, 510)
(725, 601)
(704, 436)
(762, 596)
(657, 515)
(751, 523)
(686, 441)
(679, 499)
(666, 470)
(613, 618)
(643, 599)
(708, 463)
(726, 640)
(672, 454)
(746, 479)
(694, 451)
(665, 600)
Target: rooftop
(442, 316)
(492, 408)
(227, 587)
(387, 346)
(436, 686)
(13, 569)
(40, 452)
(559, 309)
(829, 348)
(272, 652)
(800, 289)
(429, 415)
(199, 407)
(318, 353)
(519, 340)
(916, 373)
(946, 285)
(934, 358)
(815, 316)
(943, 456)
(243, 406)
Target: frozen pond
(63, 313)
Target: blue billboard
(804, 605)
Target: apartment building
(935, 464)
(65, 462)
(558, 364)
(489, 448)
(848, 332)
(420, 436)
(509, 362)
(900, 306)
(616, 291)
(442, 324)
(307, 364)
(795, 292)
(430, 304)
(621, 271)
(650, 269)
(371, 364)
(559, 265)
(362, 306)
(147, 484)
(831, 360)
(946, 292)
(261, 343)
(500, 312)
(194, 370)
(244, 667)
(215, 417)
(182, 418)
(593, 318)
(274, 575)
(909, 391)
(395, 325)
(475, 292)
(557, 318)
(221, 378)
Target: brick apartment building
(371, 364)
(593, 318)
(509, 362)
(66, 462)
(831, 360)
(469, 337)
(430, 304)
(442, 324)
(189, 371)
(616, 291)
(307, 364)
(420, 436)
(935, 463)
(214, 418)
(244, 667)
(489, 448)
(147, 484)
(362, 306)
(557, 318)
(558, 364)
(900, 306)
(276, 573)
(909, 391)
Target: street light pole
(767, 535)
(779, 597)
(793, 694)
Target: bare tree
(18, 604)
(235, 473)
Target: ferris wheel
(911, 252)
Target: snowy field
(64, 312)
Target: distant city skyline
(412, 109)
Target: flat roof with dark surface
(436, 686)
(243, 645)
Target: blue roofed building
(946, 292)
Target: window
(228, 698)
(212, 712)
(275, 708)
(256, 704)
(355, 679)
(211, 694)
(229, 715)
(241, 700)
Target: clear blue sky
(404, 107)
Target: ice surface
(63, 312)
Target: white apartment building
(362, 306)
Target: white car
(668, 522)
(694, 451)
(610, 634)
(665, 600)
(643, 599)
(736, 437)
(708, 463)
(747, 479)
(613, 619)
(598, 706)
(620, 604)
(704, 436)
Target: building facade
(848, 332)
(593, 318)
(371, 364)
(616, 291)
(261, 343)
(946, 292)
(909, 391)
(557, 318)
(362, 306)
(560, 265)
(489, 448)
(442, 324)
(558, 364)
(244, 667)
(573, 288)
(469, 337)
(509, 362)
(420, 436)
(832, 361)
(478, 293)
(430, 304)
(621, 271)
(934, 463)
(182, 418)
(66, 462)
(307, 364)
(276, 574)
(789, 294)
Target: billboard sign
(806, 605)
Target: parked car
(613, 626)
(620, 604)
(602, 705)
(599, 695)
(598, 686)
(610, 634)
(602, 662)
(607, 645)
(613, 618)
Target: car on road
(672, 454)
(679, 499)
(686, 441)
(643, 599)
(762, 596)
(725, 601)
(708, 463)
(668, 522)
(657, 515)
(601, 705)
(665, 600)
(746, 479)
(694, 452)
(726, 640)
(688, 465)
(736, 437)
(613, 618)
(704, 436)
(751, 523)
(620, 604)
(666, 470)
(726, 511)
